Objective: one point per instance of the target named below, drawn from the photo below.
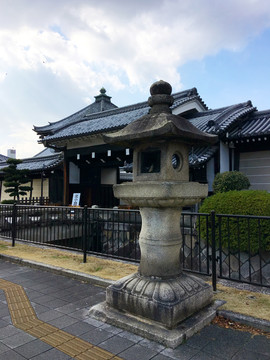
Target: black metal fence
(38, 200)
(234, 247)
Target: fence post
(14, 223)
(84, 233)
(214, 264)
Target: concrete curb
(95, 280)
(246, 320)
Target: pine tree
(14, 179)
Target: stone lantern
(159, 294)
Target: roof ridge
(39, 128)
(123, 109)
(238, 106)
(232, 114)
(48, 157)
(58, 121)
(138, 105)
(254, 125)
(118, 110)
(261, 112)
(217, 110)
(188, 92)
(209, 112)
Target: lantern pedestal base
(153, 330)
(166, 301)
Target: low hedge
(229, 181)
(239, 234)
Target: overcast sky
(55, 55)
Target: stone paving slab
(23, 317)
(82, 337)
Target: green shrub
(230, 180)
(239, 234)
(8, 201)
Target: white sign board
(76, 199)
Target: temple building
(77, 160)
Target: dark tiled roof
(200, 155)
(256, 124)
(92, 124)
(3, 157)
(37, 164)
(93, 108)
(115, 119)
(219, 120)
(46, 152)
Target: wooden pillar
(66, 180)
(31, 191)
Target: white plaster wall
(74, 173)
(108, 176)
(188, 106)
(36, 192)
(210, 171)
(224, 157)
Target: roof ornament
(193, 91)
(102, 97)
(211, 123)
(160, 99)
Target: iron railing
(234, 247)
(38, 200)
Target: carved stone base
(166, 301)
(152, 330)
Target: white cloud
(109, 41)
(118, 44)
(21, 138)
(2, 76)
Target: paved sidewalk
(63, 304)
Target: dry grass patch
(244, 302)
(107, 269)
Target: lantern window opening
(177, 161)
(150, 161)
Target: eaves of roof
(3, 157)
(93, 108)
(256, 124)
(38, 164)
(187, 96)
(219, 120)
(201, 154)
(96, 125)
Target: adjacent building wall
(36, 192)
(256, 165)
(224, 157)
